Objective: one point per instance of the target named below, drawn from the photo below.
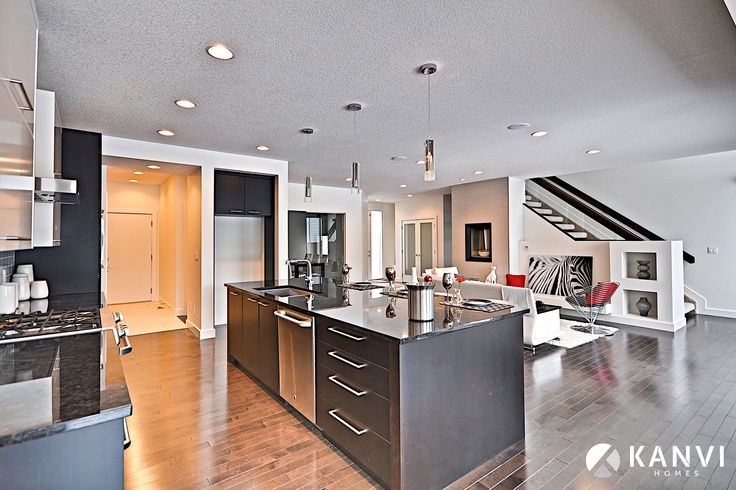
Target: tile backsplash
(7, 265)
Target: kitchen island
(62, 410)
(415, 404)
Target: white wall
(334, 200)
(240, 254)
(420, 207)
(690, 199)
(389, 232)
(132, 197)
(171, 243)
(203, 322)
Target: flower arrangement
(460, 279)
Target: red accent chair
(589, 301)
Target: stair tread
(534, 204)
(546, 211)
(566, 226)
(554, 219)
(578, 234)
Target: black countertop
(374, 312)
(81, 393)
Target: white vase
(493, 275)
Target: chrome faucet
(308, 277)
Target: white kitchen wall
(171, 243)
(690, 199)
(132, 197)
(200, 272)
(335, 200)
(239, 252)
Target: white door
(419, 245)
(129, 257)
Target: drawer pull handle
(261, 303)
(252, 300)
(342, 385)
(345, 334)
(334, 415)
(236, 210)
(334, 354)
(234, 293)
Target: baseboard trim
(200, 334)
(701, 306)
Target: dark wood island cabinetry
(417, 406)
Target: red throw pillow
(516, 280)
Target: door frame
(154, 243)
(435, 238)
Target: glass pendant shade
(429, 161)
(308, 189)
(355, 183)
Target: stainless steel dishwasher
(296, 360)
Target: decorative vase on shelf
(643, 269)
(643, 305)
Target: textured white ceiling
(643, 80)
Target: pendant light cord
(429, 106)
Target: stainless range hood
(51, 191)
(59, 190)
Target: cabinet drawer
(354, 368)
(370, 451)
(358, 402)
(353, 341)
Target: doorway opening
(146, 239)
(376, 250)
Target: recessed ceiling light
(419, 162)
(220, 51)
(518, 126)
(477, 172)
(539, 134)
(462, 179)
(153, 166)
(185, 104)
(132, 180)
(378, 200)
(165, 132)
(138, 172)
(594, 151)
(410, 195)
(349, 179)
(397, 158)
(262, 148)
(403, 185)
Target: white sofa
(538, 327)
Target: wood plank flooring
(198, 422)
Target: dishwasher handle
(290, 316)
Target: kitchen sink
(284, 291)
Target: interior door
(419, 244)
(376, 250)
(129, 257)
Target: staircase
(556, 219)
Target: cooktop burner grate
(37, 323)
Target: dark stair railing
(591, 207)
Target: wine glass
(447, 281)
(391, 276)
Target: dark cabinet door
(235, 325)
(258, 196)
(250, 334)
(269, 344)
(229, 194)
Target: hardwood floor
(198, 422)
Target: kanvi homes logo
(603, 460)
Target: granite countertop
(381, 315)
(38, 401)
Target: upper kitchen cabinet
(241, 194)
(18, 40)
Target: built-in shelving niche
(632, 296)
(631, 264)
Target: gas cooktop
(55, 322)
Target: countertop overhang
(374, 312)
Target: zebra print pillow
(559, 275)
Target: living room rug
(572, 338)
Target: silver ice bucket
(421, 302)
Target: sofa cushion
(516, 280)
(438, 271)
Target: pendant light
(355, 178)
(308, 179)
(429, 175)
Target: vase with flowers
(457, 297)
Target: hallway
(148, 317)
